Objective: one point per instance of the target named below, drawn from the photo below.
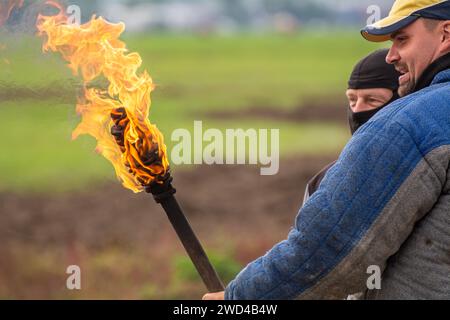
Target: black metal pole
(192, 245)
(164, 194)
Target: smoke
(23, 15)
(24, 68)
(6, 6)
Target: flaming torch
(117, 115)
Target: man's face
(368, 99)
(413, 49)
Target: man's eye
(376, 102)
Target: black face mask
(357, 119)
(372, 72)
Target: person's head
(420, 34)
(372, 85)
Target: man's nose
(360, 106)
(392, 56)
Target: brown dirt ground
(312, 110)
(63, 93)
(215, 199)
(124, 242)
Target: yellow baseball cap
(403, 13)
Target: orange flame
(6, 8)
(94, 50)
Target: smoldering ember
(229, 147)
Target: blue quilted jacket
(385, 203)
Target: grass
(193, 74)
(238, 71)
(30, 272)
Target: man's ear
(445, 29)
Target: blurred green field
(194, 74)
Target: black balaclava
(372, 72)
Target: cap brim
(382, 30)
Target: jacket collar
(431, 73)
(441, 77)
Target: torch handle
(192, 245)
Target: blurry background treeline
(229, 16)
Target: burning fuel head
(119, 116)
(141, 154)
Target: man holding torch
(385, 202)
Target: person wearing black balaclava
(373, 84)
